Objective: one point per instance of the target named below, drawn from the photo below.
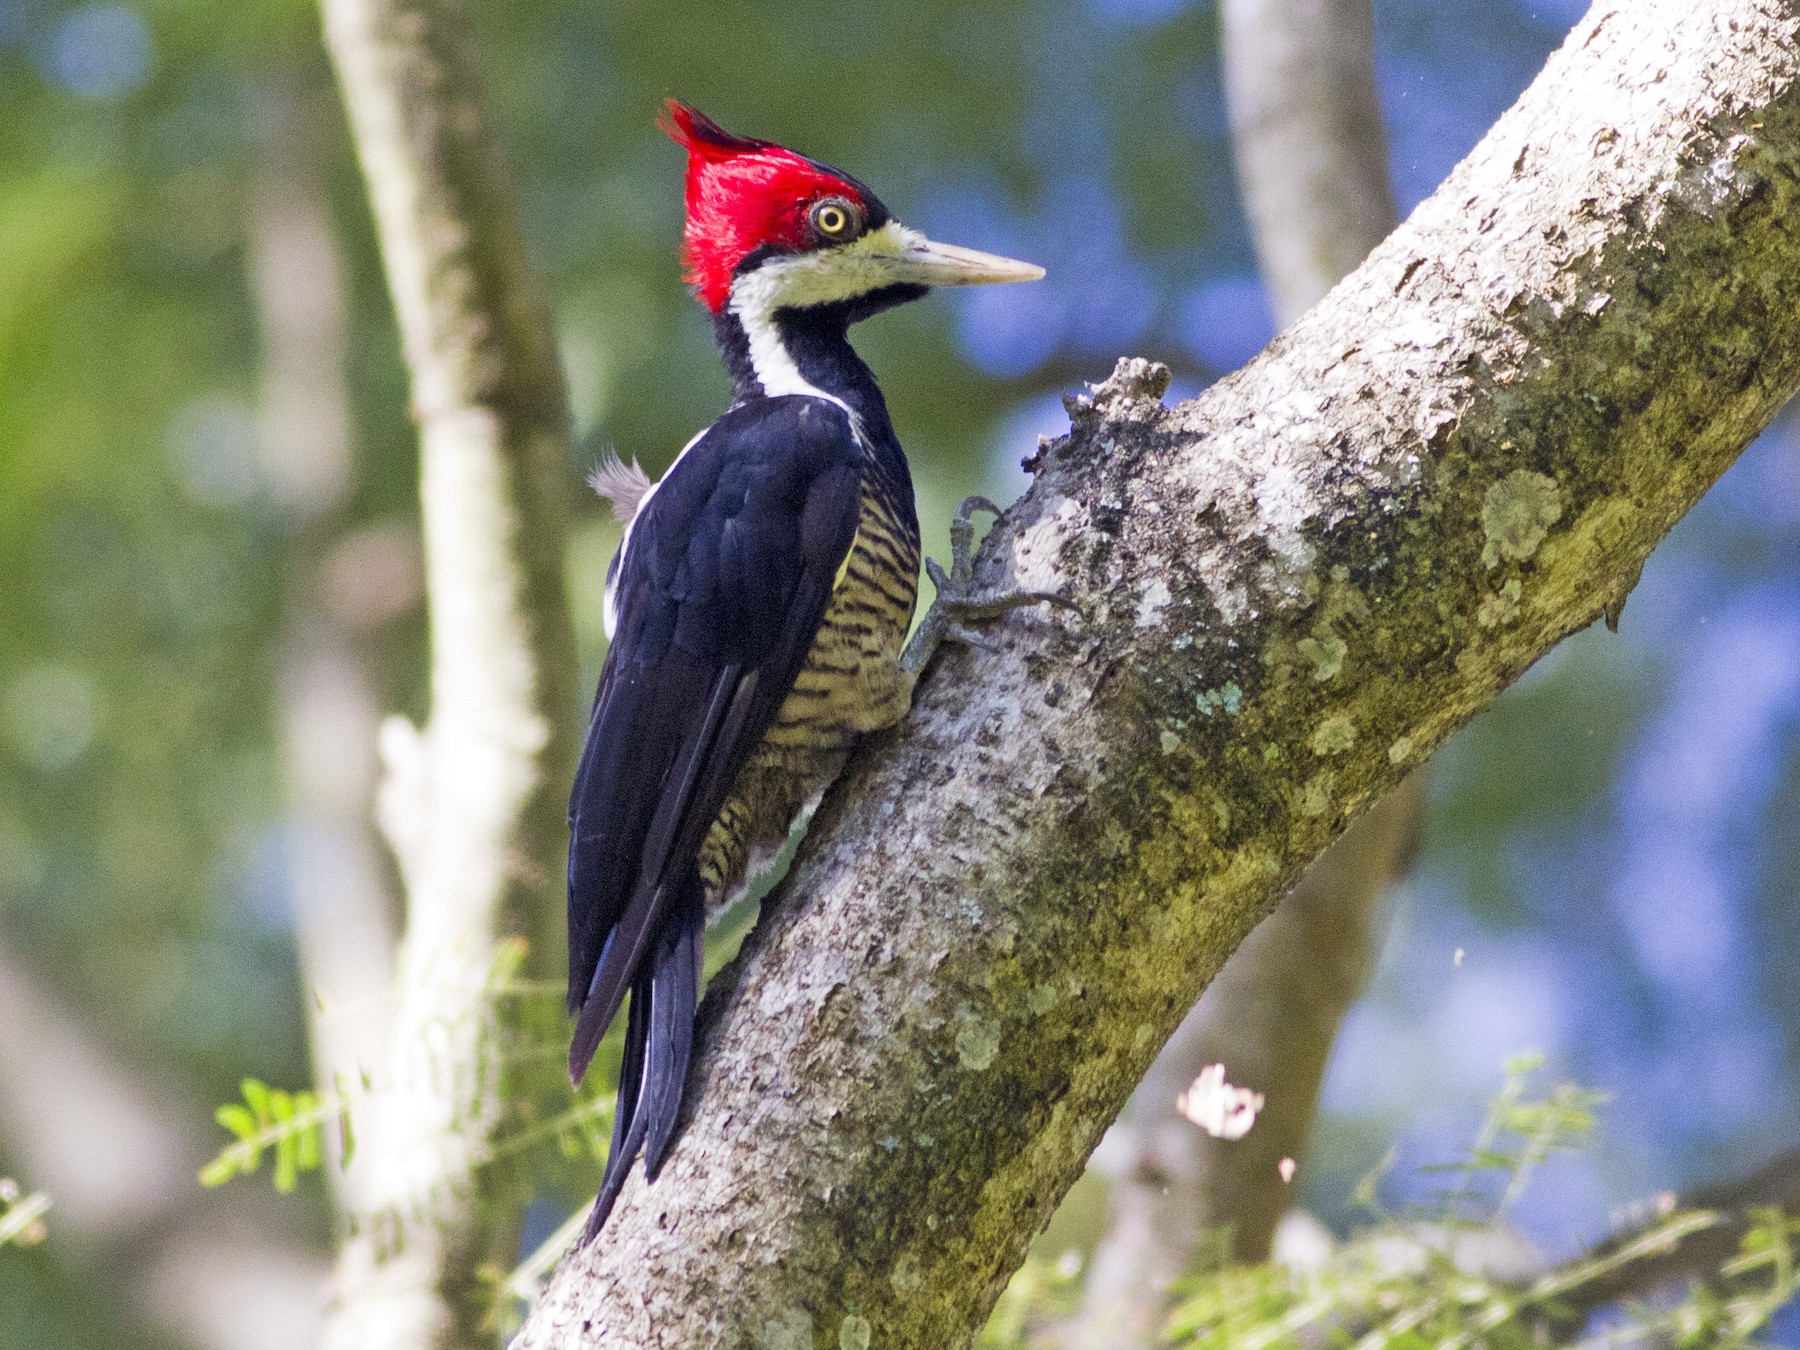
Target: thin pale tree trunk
(472, 803)
(1307, 140)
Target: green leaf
(287, 1167)
(289, 1123)
(345, 1132)
(287, 1153)
(307, 1142)
(236, 1119)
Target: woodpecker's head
(770, 230)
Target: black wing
(720, 590)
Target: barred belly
(851, 684)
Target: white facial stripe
(775, 369)
(819, 278)
(841, 273)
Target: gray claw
(956, 603)
(956, 632)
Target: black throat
(817, 340)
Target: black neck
(817, 340)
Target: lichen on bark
(1604, 294)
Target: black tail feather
(672, 1010)
(659, 1037)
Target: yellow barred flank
(851, 684)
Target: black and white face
(869, 262)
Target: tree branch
(1698, 1254)
(1297, 586)
(1311, 158)
(473, 804)
(1312, 167)
(1270, 1016)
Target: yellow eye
(834, 218)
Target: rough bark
(1312, 168)
(472, 804)
(1296, 586)
(1270, 1016)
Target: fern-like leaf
(288, 1124)
(21, 1215)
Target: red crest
(741, 195)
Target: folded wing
(719, 592)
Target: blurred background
(209, 582)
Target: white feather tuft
(624, 485)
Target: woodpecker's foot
(957, 604)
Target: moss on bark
(1296, 587)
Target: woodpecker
(757, 607)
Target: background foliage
(1608, 868)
